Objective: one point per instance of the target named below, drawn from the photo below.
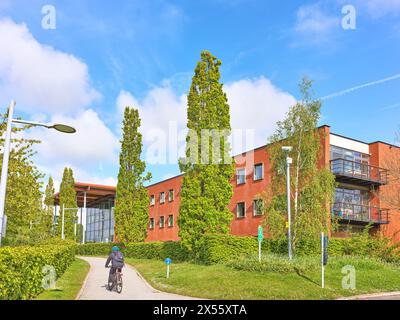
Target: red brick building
(360, 174)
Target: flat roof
(94, 192)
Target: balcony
(360, 214)
(358, 173)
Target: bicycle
(116, 281)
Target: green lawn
(223, 282)
(69, 284)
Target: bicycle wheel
(119, 283)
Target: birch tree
(312, 188)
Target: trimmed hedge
(223, 248)
(21, 268)
(140, 250)
(218, 248)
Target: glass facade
(349, 161)
(100, 222)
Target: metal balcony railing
(360, 213)
(351, 171)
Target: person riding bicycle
(117, 262)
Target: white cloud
(93, 142)
(159, 107)
(87, 151)
(39, 77)
(314, 25)
(256, 104)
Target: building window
(258, 208)
(162, 222)
(171, 195)
(240, 210)
(258, 171)
(170, 220)
(151, 224)
(152, 200)
(162, 197)
(241, 176)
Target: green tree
(206, 189)
(23, 196)
(131, 203)
(68, 201)
(49, 195)
(312, 186)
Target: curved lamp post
(6, 154)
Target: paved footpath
(135, 287)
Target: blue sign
(325, 252)
(168, 261)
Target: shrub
(275, 263)
(21, 268)
(217, 248)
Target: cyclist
(117, 262)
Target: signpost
(168, 262)
(260, 239)
(324, 256)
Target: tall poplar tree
(206, 189)
(131, 203)
(49, 205)
(68, 200)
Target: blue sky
(104, 55)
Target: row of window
(258, 174)
(161, 222)
(258, 208)
(240, 213)
(171, 197)
(240, 179)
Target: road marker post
(168, 262)
(260, 239)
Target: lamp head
(63, 128)
(287, 148)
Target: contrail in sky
(343, 92)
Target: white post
(259, 251)
(322, 261)
(62, 223)
(4, 169)
(84, 219)
(167, 271)
(288, 162)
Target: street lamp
(6, 154)
(288, 149)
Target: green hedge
(21, 268)
(223, 248)
(140, 250)
(218, 248)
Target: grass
(226, 282)
(69, 284)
